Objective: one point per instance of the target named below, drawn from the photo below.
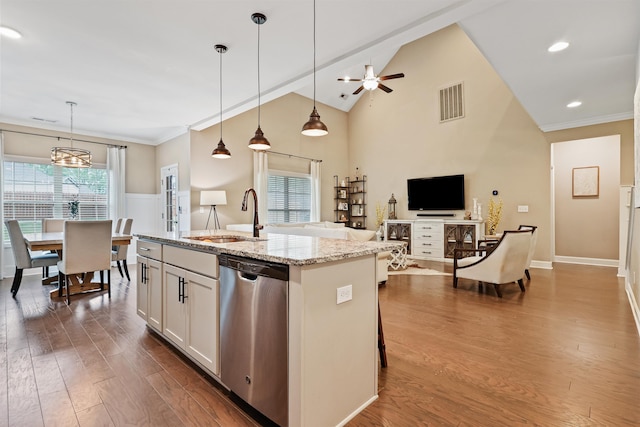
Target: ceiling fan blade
(358, 90)
(392, 76)
(349, 80)
(384, 88)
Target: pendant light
(221, 151)
(259, 142)
(314, 127)
(68, 156)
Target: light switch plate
(344, 294)
(523, 208)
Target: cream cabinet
(149, 283)
(191, 304)
(428, 239)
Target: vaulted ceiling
(145, 71)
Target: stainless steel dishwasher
(253, 333)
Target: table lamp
(213, 198)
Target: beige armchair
(119, 253)
(532, 248)
(22, 255)
(86, 247)
(504, 264)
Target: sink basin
(218, 239)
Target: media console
(434, 239)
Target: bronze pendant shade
(221, 151)
(314, 127)
(259, 142)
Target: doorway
(169, 195)
(586, 218)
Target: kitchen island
(332, 347)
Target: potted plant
(74, 207)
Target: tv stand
(435, 238)
(437, 215)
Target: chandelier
(68, 156)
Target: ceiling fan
(370, 81)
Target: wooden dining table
(54, 242)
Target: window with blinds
(289, 198)
(34, 191)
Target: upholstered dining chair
(86, 247)
(119, 253)
(504, 264)
(23, 257)
(52, 225)
(532, 249)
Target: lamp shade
(213, 197)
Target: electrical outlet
(344, 294)
(523, 208)
(201, 209)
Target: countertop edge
(280, 248)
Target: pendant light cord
(220, 52)
(71, 104)
(259, 74)
(314, 54)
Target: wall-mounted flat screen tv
(436, 193)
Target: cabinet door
(202, 320)
(154, 284)
(142, 292)
(174, 312)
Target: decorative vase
(380, 234)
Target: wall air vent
(40, 119)
(451, 103)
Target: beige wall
(624, 128)
(176, 151)
(140, 168)
(281, 122)
(574, 215)
(496, 145)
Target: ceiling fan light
(370, 84)
(314, 127)
(221, 151)
(259, 142)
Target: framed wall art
(586, 181)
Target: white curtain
(260, 178)
(315, 190)
(116, 157)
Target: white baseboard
(547, 265)
(634, 305)
(587, 261)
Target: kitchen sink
(218, 239)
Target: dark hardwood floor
(565, 353)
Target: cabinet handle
(144, 249)
(181, 289)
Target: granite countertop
(281, 248)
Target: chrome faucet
(256, 227)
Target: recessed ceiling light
(10, 32)
(557, 47)
(574, 104)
